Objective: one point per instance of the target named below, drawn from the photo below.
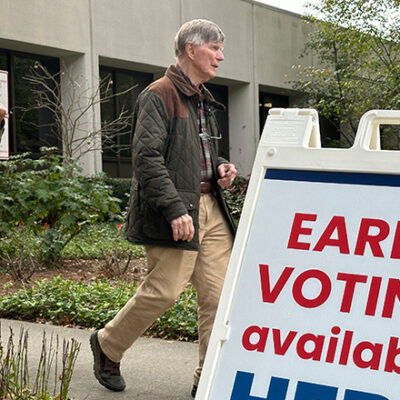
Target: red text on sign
(337, 348)
(335, 235)
(391, 291)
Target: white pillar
(243, 127)
(79, 82)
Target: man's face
(206, 59)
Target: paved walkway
(153, 369)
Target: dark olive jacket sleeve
(148, 147)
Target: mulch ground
(76, 270)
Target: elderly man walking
(177, 208)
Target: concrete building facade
(89, 37)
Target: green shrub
(236, 195)
(94, 241)
(66, 302)
(50, 197)
(99, 239)
(120, 188)
(20, 236)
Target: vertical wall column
(243, 111)
(82, 118)
(243, 126)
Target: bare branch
(72, 114)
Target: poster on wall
(4, 144)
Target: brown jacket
(166, 161)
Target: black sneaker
(194, 391)
(106, 371)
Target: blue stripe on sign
(333, 177)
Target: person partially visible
(3, 114)
(177, 206)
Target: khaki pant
(169, 270)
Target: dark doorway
(268, 101)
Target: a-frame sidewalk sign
(310, 308)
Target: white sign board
(4, 144)
(311, 304)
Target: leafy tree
(356, 61)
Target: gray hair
(197, 31)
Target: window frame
(10, 61)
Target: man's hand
(3, 112)
(227, 172)
(182, 228)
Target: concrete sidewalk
(153, 369)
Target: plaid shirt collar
(206, 172)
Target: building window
(118, 163)
(28, 130)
